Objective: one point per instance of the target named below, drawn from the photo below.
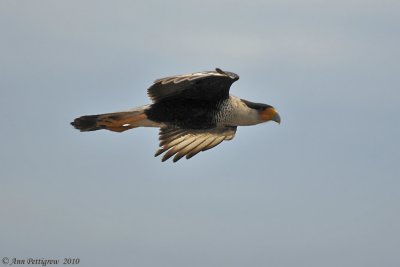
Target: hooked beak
(270, 114)
(277, 118)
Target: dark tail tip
(86, 123)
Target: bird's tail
(116, 121)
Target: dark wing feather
(208, 85)
(189, 142)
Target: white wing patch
(189, 142)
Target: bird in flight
(194, 112)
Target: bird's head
(269, 113)
(265, 112)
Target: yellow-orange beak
(270, 114)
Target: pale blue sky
(321, 189)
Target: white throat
(239, 114)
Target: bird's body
(193, 111)
(201, 114)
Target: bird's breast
(233, 112)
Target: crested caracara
(194, 112)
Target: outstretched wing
(188, 142)
(208, 85)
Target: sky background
(321, 189)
